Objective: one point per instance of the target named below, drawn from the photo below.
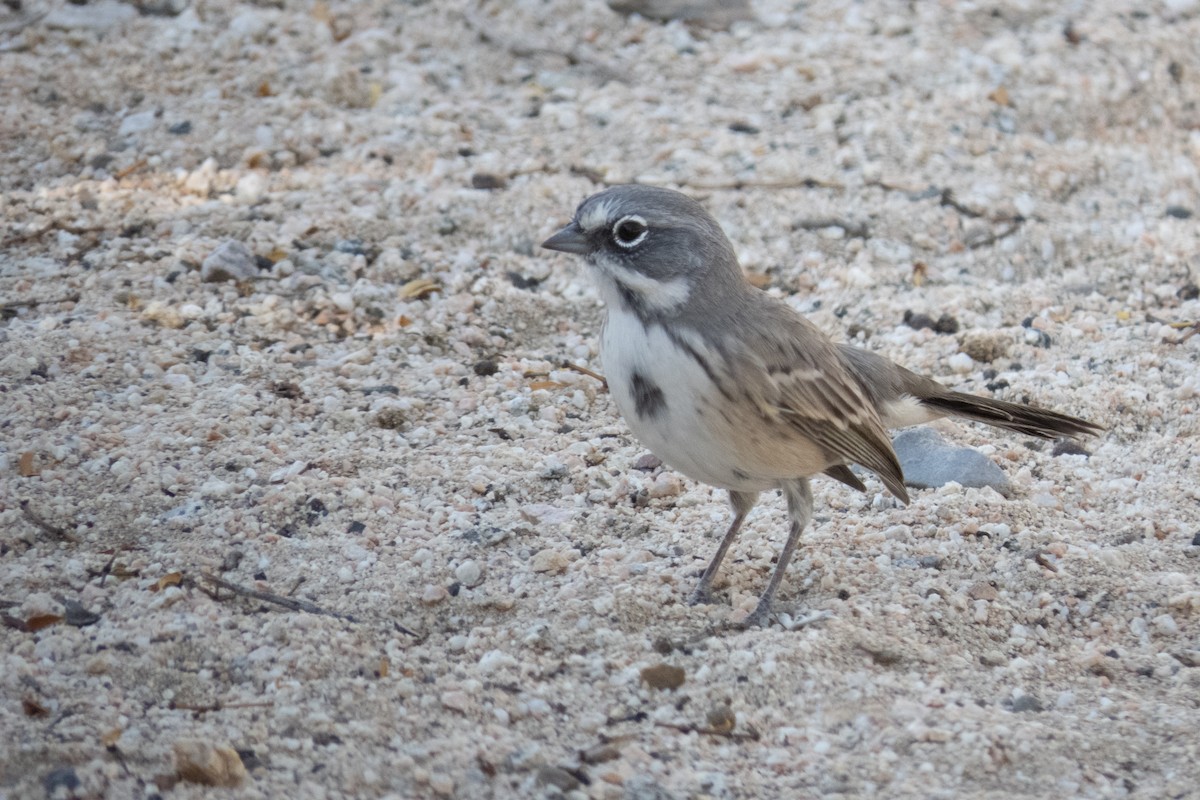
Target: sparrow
(735, 388)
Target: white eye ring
(630, 225)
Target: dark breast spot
(648, 400)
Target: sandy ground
(373, 419)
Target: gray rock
(94, 16)
(138, 123)
(231, 261)
(929, 462)
(714, 14)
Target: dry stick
(1014, 225)
(1191, 326)
(217, 706)
(33, 303)
(586, 371)
(290, 603)
(747, 736)
(1192, 329)
(132, 168)
(33, 517)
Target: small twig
(585, 371)
(290, 603)
(295, 586)
(948, 199)
(14, 304)
(1043, 560)
(217, 706)
(132, 168)
(750, 735)
(1014, 225)
(1192, 329)
(45, 526)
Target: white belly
(685, 430)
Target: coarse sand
(331, 514)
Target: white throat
(654, 295)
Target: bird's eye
(630, 231)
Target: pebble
(961, 363)
(431, 595)
(666, 484)
(137, 123)
(207, 763)
(551, 561)
(468, 573)
(929, 461)
(230, 261)
(558, 778)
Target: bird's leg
(800, 504)
(742, 502)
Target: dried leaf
(920, 271)
(39, 621)
(758, 279)
(1000, 97)
(33, 708)
(418, 288)
(25, 466)
(663, 676)
(404, 321)
(385, 666)
(546, 385)
(170, 579)
(111, 738)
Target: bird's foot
(760, 617)
(701, 595)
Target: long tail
(1013, 416)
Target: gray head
(654, 251)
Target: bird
(736, 389)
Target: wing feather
(793, 372)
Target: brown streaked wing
(792, 370)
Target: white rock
(468, 573)
(961, 362)
(137, 123)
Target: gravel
(451, 564)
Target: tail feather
(1025, 419)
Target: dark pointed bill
(569, 240)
